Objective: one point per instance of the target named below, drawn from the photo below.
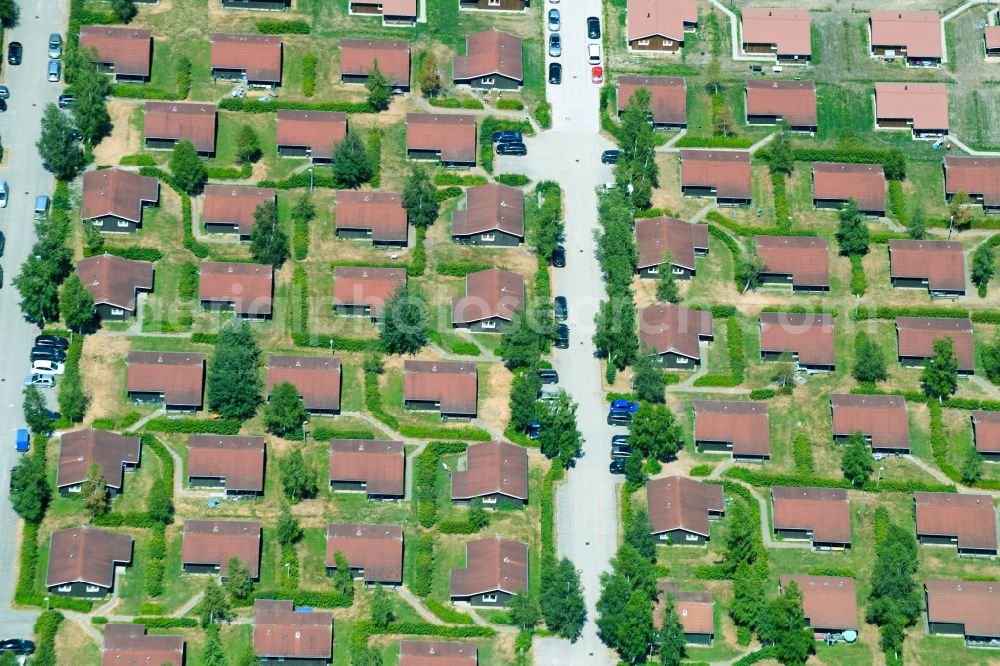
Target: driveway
(22, 169)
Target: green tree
(960, 210)
(858, 462)
(298, 479)
(477, 514)
(615, 593)
(93, 241)
(748, 271)
(524, 399)
(29, 488)
(520, 345)
(72, 400)
(76, 305)
(742, 544)
(187, 167)
(523, 610)
(647, 377)
(748, 602)
(666, 286)
(785, 627)
(636, 170)
(972, 467)
(991, 359)
(639, 535)
(91, 86)
(430, 77)
(983, 267)
(36, 411)
(214, 605)
(939, 378)
(213, 654)
(159, 503)
(304, 208)
(8, 658)
(234, 384)
(636, 633)
(94, 491)
(9, 13)
(373, 364)
(723, 123)
(561, 601)
(420, 199)
(288, 528)
(780, 156)
(895, 600)
(285, 412)
(350, 163)
(559, 439)
(381, 608)
(852, 232)
(268, 240)
(239, 583)
(635, 470)
(60, 151)
(247, 145)
(671, 639)
(379, 88)
(404, 328)
(124, 10)
(614, 330)
(917, 226)
(39, 292)
(654, 432)
(343, 581)
(869, 361)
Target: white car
(48, 367)
(594, 54)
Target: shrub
(510, 104)
(187, 285)
(247, 105)
(140, 91)
(193, 426)
(183, 77)
(460, 268)
(449, 178)
(309, 62)
(446, 193)
(513, 179)
(701, 470)
(713, 142)
(781, 217)
(716, 381)
(802, 454)
(464, 348)
(859, 281)
(445, 613)
(166, 622)
(424, 565)
(137, 160)
(543, 115)
(761, 394)
(282, 27)
(133, 253)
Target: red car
(597, 75)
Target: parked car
(559, 257)
(597, 74)
(14, 53)
(548, 376)
(66, 101)
(39, 379)
(621, 450)
(555, 73)
(534, 430)
(554, 23)
(561, 308)
(617, 466)
(3, 242)
(548, 394)
(619, 439)
(3, 105)
(47, 354)
(610, 156)
(52, 341)
(48, 367)
(625, 406)
(593, 27)
(508, 136)
(55, 71)
(555, 45)
(619, 417)
(562, 336)
(4, 92)
(55, 45)
(4, 191)
(594, 54)
(17, 646)
(512, 148)
(22, 440)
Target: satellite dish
(850, 636)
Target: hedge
(46, 628)
(425, 469)
(445, 193)
(892, 159)
(282, 27)
(205, 338)
(247, 105)
(140, 91)
(890, 312)
(456, 526)
(448, 178)
(309, 62)
(939, 442)
(446, 614)
(196, 248)
(323, 433)
(137, 160)
(800, 309)
(726, 381)
(842, 572)
(554, 474)
(135, 519)
(510, 104)
(513, 179)
(423, 575)
(762, 394)
(193, 426)
(765, 479)
(460, 268)
(464, 348)
(897, 202)
(543, 115)
(688, 141)
(309, 598)
(453, 103)
(734, 249)
(166, 622)
(803, 455)
(737, 358)
(133, 253)
(743, 230)
(373, 148)
(364, 629)
(98, 619)
(671, 378)
(723, 311)
(701, 470)
(155, 552)
(24, 593)
(781, 217)
(859, 281)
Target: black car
(548, 376)
(593, 27)
(3, 105)
(52, 341)
(617, 466)
(66, 101)
(619, 439)
(619, 417)
(559, 257)
(3, 243)
(561, 308)
(512, 149)
(555, 73)
(562, 336)
(507, 136)
(534, 430)
(47, 354)
(610, 156)
(17, 646)
(14, 53)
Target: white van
(4, 191)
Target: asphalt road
(22, 169)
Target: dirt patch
(495, 410)
(103, 372)
(125, 138)
(74, 639)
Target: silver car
(55, 45)
(55, 71)
(555, 45)
(554, 24)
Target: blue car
(625, 406)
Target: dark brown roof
(918, 32)
(491, 564)
(695, 609)
(86, 555)
(455, 385)
(805, 258)
(668, 96)
(942, 263)
(247, 286)
(926, 104)
(216, 541)
(452, 134)
(490, 207)
(794, 101)
(679, 503)
(80, 449)
(281, 631)
(490, 293)
(655, 236)
(974, 604)
(788, 29)
(493, 468)
(175, 120)
(235, 205)
(179, 376)
(865, 183)
(728, 171)
(382, 212)
(974, 175)
(884, 418)
(378, 549)
(437, 653)
(358, 56)
(129, 645)
(117, 192)
(745, 424)
(809, 335)
(319, 130)
(824, 511)
(237, 458)
(967, 517)
(490, 52)
(114, 281)
(916, 337)
(317, 378)
(380, 464)
(259, 55)
(648, 18)
(669, 328)
(366, 286)
(829, 602)
(986, 429)
(128, 49)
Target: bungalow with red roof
(115, 454)
(723, 174)
(363, 291)
(208, 545)
(316, 378)
(695, 610)
(883, 420)
(935, 265)
(374, 467)
(450, 387)
(255, 59)
(125, 53)
(770, 102)
(375, 216)
(113, 199)
(130, 644)
(374, 552)
(803, 262)
(965, 520)
(232, 462)
(820, 515)
(966, 608)
(668, 98)
(114, 284)
(979, 177)
(655, 237)
(921, 108)
(165, 124)
(680, 508)
(492, 60)
(448, 138)
(359, 56)
(495, 472)
(396, 13)
(738, 427)
(242, 288)
(986, 434)
(491, 299)
(915, 36)
(437, 653)
(830, 603)
(991, 37)
(283, 633)
(659, 25)
(915, 338)
(175, 379)
(836, 183)
(783, 33)
(272, 5)
(82, 561)
(675, 334)
(495, 570)
(807, 338)
(230, 210)
(493, 216)
(495, 5)
(312, 134)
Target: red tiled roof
(926, 104)
(225, 204)
(454, 135)
(380, 464)
(884, 418)
(668, 96)
(174, 120)
(992, 35)
(829, 602)
(217, 541)
(490, 207)
(974, 175)
(128, 49)
(282, 632)
(789, 29)
(366, 286)
(942, 263)
(80, 449)
(490, 293)
(969, 518)
(986, 430)
(648, 18)
(378, 549)
(239, 459)
(727, 171)
(317, 378)
(695, 609)
(179, 376)
(247, 286)
(745, 424)
(916, 337)
(455, 385)
(398, 7)
(794, 101)
(86, 555)
(493, 467)
(490, 52)
(679, 503)
(805, 258)
(117, 192)
(823, 511)
(129, 645)
(840, 181)
(320, 131)
(491, 564)
(358, 56)
(918, 32)
(655, 236)
(974, 604)
(810, 335)
(113, 281)
(437, 653)
(382, 212)
(258, 55)
(672, 328)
